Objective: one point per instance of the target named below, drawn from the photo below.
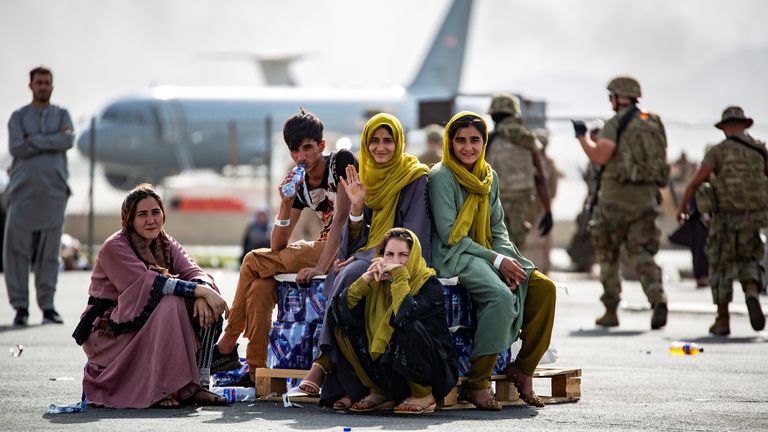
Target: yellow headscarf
(474, 218)
(385, 298)
(383, 182)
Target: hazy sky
(693, 57)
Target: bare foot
(169, 402)
(524, 383)
(483, 400)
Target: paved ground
(630, 381)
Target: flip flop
(378, 403)
(423, 407)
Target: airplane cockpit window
(124, 113)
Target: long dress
(412, 212)
(135, 369)
(421, 348)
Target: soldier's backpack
(641, 151)
(741, 185)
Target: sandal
(423, 407)
(310, 387)
(205, 397)
(372, 402)
(530, 398)
(174, 404)
(489, 404)
(342, 404)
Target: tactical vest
(741, 185)
(641, 153)
(512, 162)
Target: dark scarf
(156, 253)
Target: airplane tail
(440, 73)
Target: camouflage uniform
(511, 156)
(538, 247)
(626, 215)
(734, 246)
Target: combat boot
(722, 326)
(756, 317)
(659, 316)
(609, 318)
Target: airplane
(213, 128)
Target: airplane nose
(83, 143)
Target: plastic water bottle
(289, 189)
(685, 348)
(67, 409)
(236, 394)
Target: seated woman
(390, 326)
(470, 241)
(147, 297)
(390, 191)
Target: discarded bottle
(347, 429)
(236, 394)
(289, 189)
(66, 409)
(685, 348)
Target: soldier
(434, 152)
(538, 247)
(513, 153)
(581, 249)
(737, 170)
(631, 148)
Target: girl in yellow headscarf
(389, 191)
(470, 241)
(390, 326)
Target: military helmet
(434, 132)
(625, 86)
(505, 103)
(733, 114)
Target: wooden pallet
(565, 386)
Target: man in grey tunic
(39, 134)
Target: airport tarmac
(630, 381)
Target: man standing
(631, 148)
(512, 152)
(737, 170)
(39, 136)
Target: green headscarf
(474, 218)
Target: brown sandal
(530, 398)
(205, 397)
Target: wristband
(357, 218)
(498, 260)
(282, 222)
